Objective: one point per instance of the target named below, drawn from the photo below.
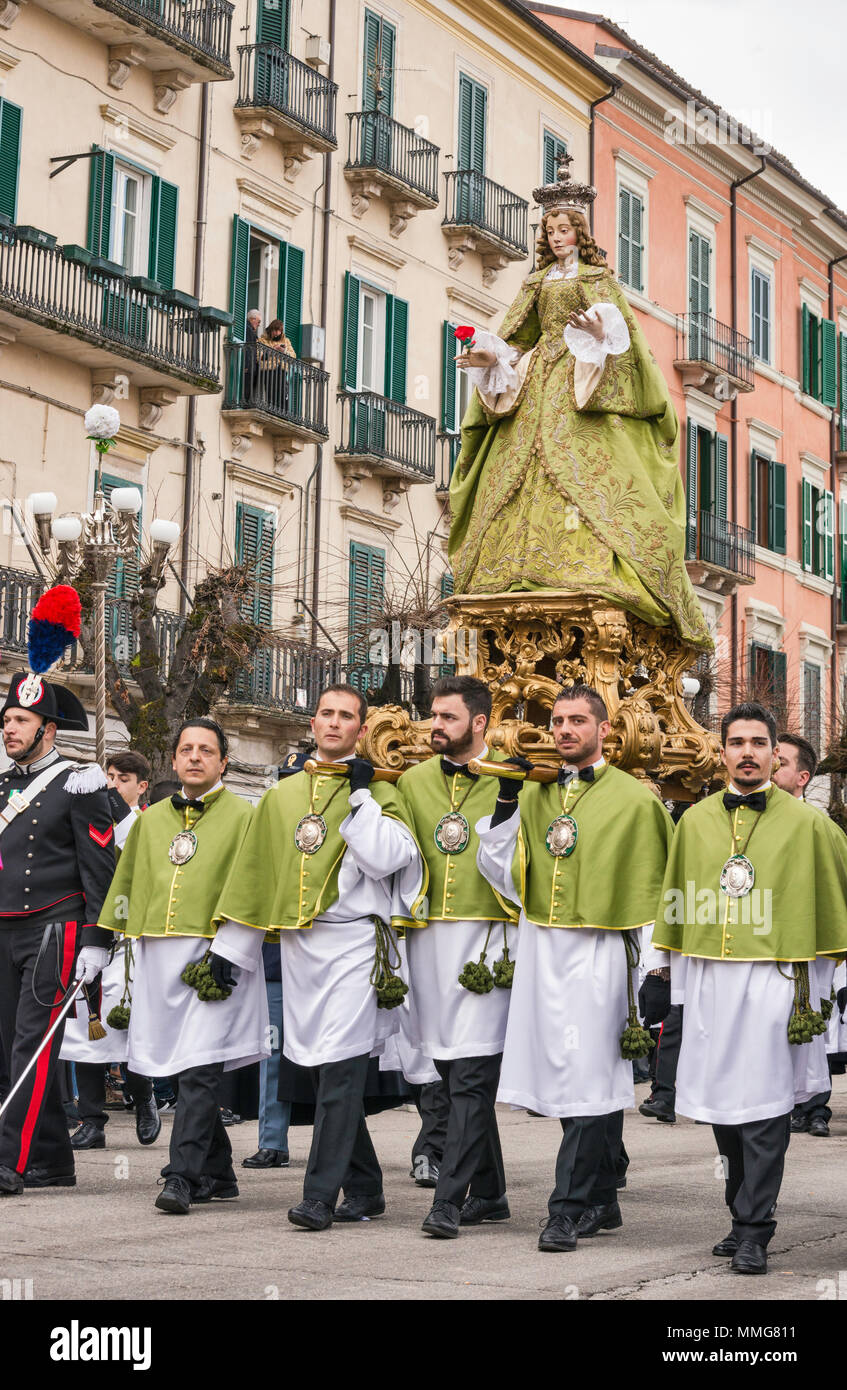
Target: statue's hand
(475, 358)
(587, 324)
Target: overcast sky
(775, 64)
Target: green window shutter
(379, 63)
(842, 376)
(624, 233)
(829, 374)
(164, 199)
(448, 377)
(807, 524)
(238, 277)
(366, 608)
(754, 494)
(721, 455)
(371, 58)
(350, 334)
(636, 243)
(828, 535)
(812, 703)
(776, 506)
(814, 355)
(698, 274)
(290, 291)
(123, 577)
(691, 489)
(272, 18)
(805, 350)
(10, 157)
(255, 534)
(472, 124)
(447, 585)
(779, 685)
(760, 297)
(396, 342)
(100, 181)
(554, 148)
(842, 533)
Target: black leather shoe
(442, 1221)
(606, 1217)
(657, 1110)
(360, 1207)
(819, 1127)
(727, 1246)
(799, 1124)
(479, 1209)
(217, 1189)
(558, 1236)
(88, 1136)
(49, 1177)
(175, 1196)
(266, 1158)
(11, 1182)
(750, 1258)
(148, 1122)
(425, 1173)
(311, 1215)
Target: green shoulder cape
(150, 896)
(457, 890)
(797, 908)
(272, 885)
(612, 878)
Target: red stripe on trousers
(42, 1065)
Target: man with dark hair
(322, 861)
(163, 896)
(455, 1016)
(753, 910)
(798, 763)
(584, 857)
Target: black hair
(580, 691)
(343, 689)
(749, 709)
(203, 723)
(127, 760)
(807, 758)
(474, 693)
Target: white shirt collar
(736, 791)
(215, 788)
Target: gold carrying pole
(481, 768)
(381, 774)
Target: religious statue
(568, 477)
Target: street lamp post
(95, 540)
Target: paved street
(105, 1238)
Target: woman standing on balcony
(272, 346)
(568, 477)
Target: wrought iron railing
(375, 141)
(261, 378)
(450, 446)
(205, 25)
(475, 201)
(722, 543)
(287, 676)
(700, 338)
(270, 77)
(376, 427)
(69, 289)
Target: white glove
(90, 961)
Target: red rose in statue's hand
(465, 336)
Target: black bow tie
(566, 774)
(452, 768)
(184, 804)
(757, 801)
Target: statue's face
(561, 234)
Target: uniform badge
(452, 833)
(291, 760)
(310, 833)
(30, 691)
(182, 847)
(737, 876)
(561, 837)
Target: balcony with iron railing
(385, 438)
(719, 554)
(65, 301)
(180, 41)
(387, 159)
(483, 216)
(287, 397)
(282, 97)
(711, 355)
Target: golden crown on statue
(564, 193)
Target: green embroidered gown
(556, 498)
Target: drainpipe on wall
(833, 487)
(733, 415)
(197, 291)
(592, 108)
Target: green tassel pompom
(198, 975)
(635, 1040)
(476, 976)
(390, 991)
(118, 1017)
(826, 1009)
(504, 970)
(805, 1022)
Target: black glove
(654, 1000)
(841, 999)
(117, 805)
(361, 772)
(220, 970)
(510, 787)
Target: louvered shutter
(721, 446)
(164, 200)
(624, 236)
(100, 182)
(272, 19)
(807, 524)
(290, 291)
(829, 365)
(10, 157)
(691, 490)
(238, 277)
(350, 333)
(448, 377)
(776, 515)
(366, 611)
(396, 346)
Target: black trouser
(816, 1108)
(433, 1105)
(34, 1129)
(199, 1141)
(91, 1091)
(342, 1154)
(667, 1057)
(472, 1159)
(754, 1159)
(587, 1164)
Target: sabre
(381, 774)
(41, 1046)
(480, 767)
